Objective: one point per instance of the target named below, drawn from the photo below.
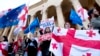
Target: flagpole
(28, 4)
(29, 30)
(51, 53)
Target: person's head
(99, 31)
(83, 28)
(35, 34)
(32, 36)
(47, 30)
(90, 26)
(67, 25)
(41, 31)
(13, 39)
(5, 38)
(93, 13)
(25, 37)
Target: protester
(67, 25)
(25, 45)
(4, 46)
(10, 49)
(41, 31)
(90, 27)
(1, 40)
(45, 44)
(83, 28)
(32, 45)
(17, 45)
(95, 18)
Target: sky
(6, 4)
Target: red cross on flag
(76, 42)
(3, 48)
(87, 34)
(22, 20)
(56, 48)
(83, 13)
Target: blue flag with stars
(11, 17)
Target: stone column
(76, 4)
(60, 17)
(44, 14)
(1, 31)
(31, 20)
(98, 2)
(5, 32)
(10, 33)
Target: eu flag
(75, 18)
(32, 27)
(11, 17)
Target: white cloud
(6, 4)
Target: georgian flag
(76, 42)
(23, 20)
(56, 48)
(83, 13)
(3, 48)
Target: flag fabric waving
(3, 48)
(77, 42)
(56, 47)
(83, 13)
(32, 27)
(75, 18)
(23, 17)
(22, 20)
(11, 17)
(4, 12)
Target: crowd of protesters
(29, 46)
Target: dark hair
(5, 38)
(46, 31)
(41, 31)
(99, 31)
(36, 33)
(90, 25)
(83, 28)
(13, 40)
(90, 12)
(65, 24)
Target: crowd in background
(30, 46)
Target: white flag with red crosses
(83, 13)
(22, 20)
(77, 42)
(56, 47)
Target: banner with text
(45, 37)
(47, 23)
